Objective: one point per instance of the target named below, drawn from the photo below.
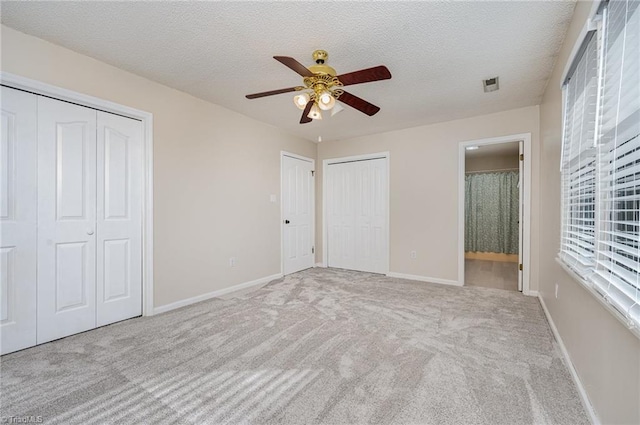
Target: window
(601, 160)
(579, 162)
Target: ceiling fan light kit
(322, 87)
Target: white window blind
(617, 270)
(579, 163)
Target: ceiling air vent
(490, 84)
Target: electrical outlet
(414, 255)
(556, 290)
(232, 262)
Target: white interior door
(357, 200)
(119, 218)
(521, 218)
(66, 219)
(18, 200)
(297, 203)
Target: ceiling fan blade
(368, 75)
(294, 65)
(359, 104)
(305, 119)
(270, 93)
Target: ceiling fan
(322, 87)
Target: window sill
(586, 285)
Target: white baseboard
(320, 265)
(574, 374)
(531, 293)
(424, 278)
(213, 294)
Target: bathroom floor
(491, 274)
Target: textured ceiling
(437, 51)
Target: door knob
(89, 232)
(286, 222)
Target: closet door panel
(66, 219)
(371, 216)
(18, 200)
(119, 218)
(341, 228)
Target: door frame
(48, 90)
(526, 254)
(521, 215)
(325, 163)
(313, 205)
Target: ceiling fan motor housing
(320, 57)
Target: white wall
(424, 187)
(214, 170)
(606, 354)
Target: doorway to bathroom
(493, 215)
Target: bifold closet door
(70, 219)
(89, 216)
(18, 200)
(66, 219)
(119, 218)
(357, 207)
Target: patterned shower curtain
(491, 212)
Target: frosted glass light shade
(326, 101)
(314, 113)
(301, 100)
(336, 109)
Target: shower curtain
(492, 212)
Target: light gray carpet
(320, 346)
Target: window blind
(617, 269)
(579, 163)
